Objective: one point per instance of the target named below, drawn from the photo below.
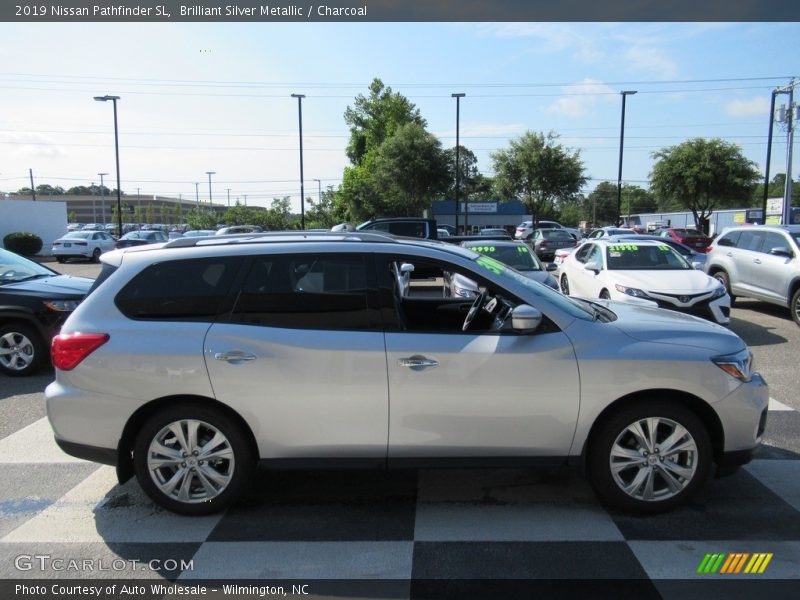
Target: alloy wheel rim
(16, 351)
(191, 461)
(653, 459)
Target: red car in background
(697, 241)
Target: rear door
(771, 273)
(301, 357)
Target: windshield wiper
(29, 277)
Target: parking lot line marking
(775, 405)
(34, 444)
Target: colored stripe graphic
(734, 563)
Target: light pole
(624, 95)
(197, 194)
(116, 151)
(302, 190)
(229, 197)
(458, 98)
(102, 197)
(94, 205)
(210, 173)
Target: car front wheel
(649, 457)
(795, 306)
(723, 278)
(193, 460)
(22, 350)
(564, 285)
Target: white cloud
(553, 38)
(747, 108)
(578, 99)
(652, 60)
(31, 145)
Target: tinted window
(308, 291)
(774, 240)
(751, 240)
(729, 239)
(179, 290)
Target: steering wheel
(473, 310)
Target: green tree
(409, 169)
(279, 217)
(199, 218)
(702, 175)
(539, 171)
(322, 214)
(776, 190)
(49, 190)
(374, 118)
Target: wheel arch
(135, 422)
(698, 406)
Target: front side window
(774, 240)
(184, 290)
(307, 291)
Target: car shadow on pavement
(755, 334)
(33, 384)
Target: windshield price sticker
(522, 249)
(623, 248)
(484, 249)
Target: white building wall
(48, 220)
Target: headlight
(739, 365)
(719, 292)
(62, 305)
(635, 292)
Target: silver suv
(759, 262)
(193, 361)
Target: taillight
(68, 350)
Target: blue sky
(200, 97)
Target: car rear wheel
(604, 295)
(61, 259)
(795, 306)
(723, 278)
(564, 285)
(649, 457)
(193, 460)
(22, 350)
(96, 255)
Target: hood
(63, 285)
(669, 327)
(669, 282)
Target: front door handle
(757, 261)
(234, 356)
(418, 362)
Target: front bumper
(743, 414)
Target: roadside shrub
(23, 242)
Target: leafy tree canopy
(539, 171)
(702, 175)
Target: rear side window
(729, 239)
(187, 290)
(306, 291)
(751, 240)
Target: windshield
(517, 256)
(565, 303)
(556, 234)
(640, 257)
(14, 268)
(82, 235)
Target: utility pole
(788, 119)
(769, 156)
(624, 95)
(302, 190)
(33, 189)
(458, 98)
(103, 197)
(197, 194)
(229, 197)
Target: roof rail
(280, 236)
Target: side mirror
(781, 251)
(525, 319)
(592, 266)
(551, 267)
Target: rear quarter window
(188, 290)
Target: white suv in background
(761, 262)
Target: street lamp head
(105, 98)
(629, 92)
(298, 95)
(211, 172)
(102, 174)
(458, 95)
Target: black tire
(61, 259)
(239, 468)
(794, 306)
(615, 429)
(604, 295)
(96, 255)
(723, 278)
(564, 284)
(32, 351)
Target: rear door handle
(417, 362)
(757, 261)
(234, 356)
